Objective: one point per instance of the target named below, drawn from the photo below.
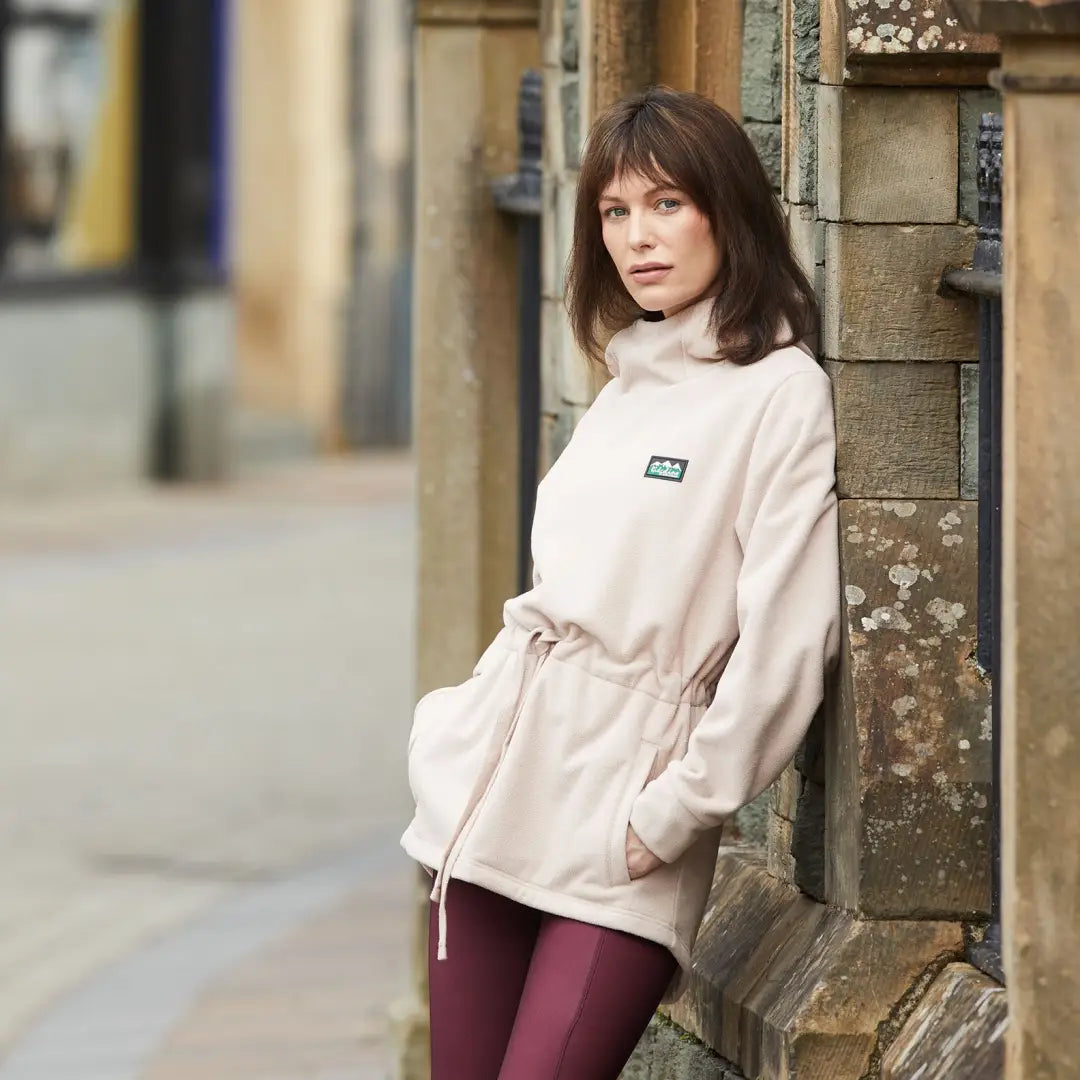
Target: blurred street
(203, 696)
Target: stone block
(886, 154)
(565, 196)
(766, 140)
(799, 172)
(898, 42)
(808, 840)
(973, 103)
(717, 45)
(550, 33)
(571, 34)
(897, 430)
(570, 107)
(745, 901)
(748, 991)
(549, 431)
(803, 233)
(785, 792)
(760, 75)
(566, 376)
(957, 1031)
(780, 862)
(552, 316)
(556, 428)
(784, 986)
(969, 431)
(553, 144)
(678, 1056)
(821, 1007)
(909, 749)
(576, 376)
(625, 40)
(804, 38)
(881, 293)
(551, 263)
(752, 821)
(810, 756)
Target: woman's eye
(668, 204)
(615, 211)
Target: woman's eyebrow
(610, 197)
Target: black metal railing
(519, 196)
(983, 281)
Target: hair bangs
(638, 145)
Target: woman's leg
(589, 995)
(475, 991)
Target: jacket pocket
(422, 712)
(450, 734)
(640, 774)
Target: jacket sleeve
(788, 609)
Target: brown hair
(687, 141)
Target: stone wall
(760, 86)
(837, 929)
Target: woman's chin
(656, 298)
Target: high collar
(665, 351)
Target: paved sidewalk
(283, 981)
(204, 695)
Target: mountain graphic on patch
(665, 468)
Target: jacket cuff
(664, 825)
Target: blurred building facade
(115, 324)
(873, 916)
(204, 246)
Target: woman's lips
(650, 275)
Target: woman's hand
(639, 859)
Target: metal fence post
(983, 281)
(519, 196)
(987, 954)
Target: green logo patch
(665, 468)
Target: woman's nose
(640, 234)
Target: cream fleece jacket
(671, 654)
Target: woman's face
(661, 243)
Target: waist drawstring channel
(500, 737)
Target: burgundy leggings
(529, 996)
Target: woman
(684, 611)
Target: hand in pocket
(639, 859)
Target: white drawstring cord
(500, 737)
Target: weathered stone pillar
(700, 48)
(884, 823)
(1041, 586)
(469, 57)
(469, 60)
(291, 206)
(1041, 575)
(878, 197)
(1040, 682)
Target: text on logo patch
(665, 468)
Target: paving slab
(203, 690)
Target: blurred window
(68, 91)
(112, 137)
